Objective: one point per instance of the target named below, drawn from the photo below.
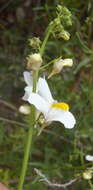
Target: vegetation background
(59, 153)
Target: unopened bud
(65, 35)
(41, 119)
(34, 42)
(57, 21)
(87, 175)
(57, 67)
(34, 61)
(59, 7)
(25, 109)
(67, 62)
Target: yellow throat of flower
(61, 105)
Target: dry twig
(53, 185)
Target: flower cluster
(62, 20)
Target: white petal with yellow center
(45, 103)
(51, 113)
(61, 105)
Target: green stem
(29, 137)
(42, 49)
(32, 120)
(90, 184)
(51, 62)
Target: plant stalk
(32, 119)
(48, 31)
(31, 123)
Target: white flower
(44, 102)
(89, 158)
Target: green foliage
(58, 153)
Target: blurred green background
(59, 153)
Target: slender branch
(49, 183)
(51, 62)
(12, 122)
(8, 105)
(44, 130)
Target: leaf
(83, 63)
(83, 45)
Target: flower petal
(28, 91)
(28, 78)
(64, 117)
(42, 105)
(89, 158)
(44, 91)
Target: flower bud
(67, 62)
(59, 7)
(57, 21)
(34, 42)
(25, 109)
(34, 61)
(87, 175)
(57, 67)
(41, 119)
(65, 35)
